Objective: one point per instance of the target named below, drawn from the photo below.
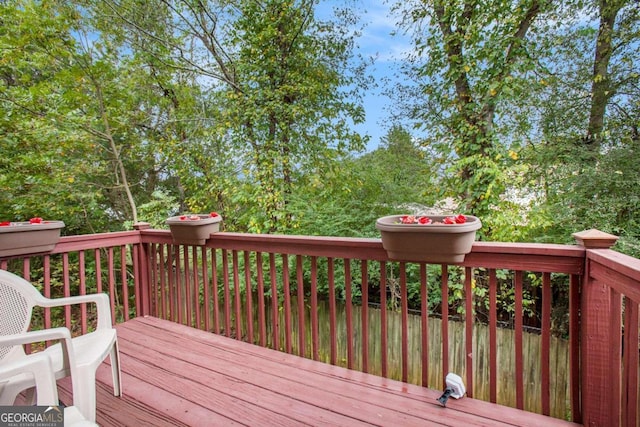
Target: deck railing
(226, 286)
(609, 334)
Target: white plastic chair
(87, 352)
(38, 366)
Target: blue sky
(376, 41)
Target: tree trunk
(477, 113)
(601, 90)
(107, 134)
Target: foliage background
(118, 111)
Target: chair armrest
(61, 334)
(36, 336)
(31, 363)
(100, 300)
(39, 366)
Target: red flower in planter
(197, 217)
(458, 219)
(408, 219)
(425, 220)
(34, 220)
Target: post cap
(595, 239)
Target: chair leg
(8, 395)
(115, 369)
(30, 396)
(84, 396)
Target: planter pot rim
(21, 226)
(204, 219)
(391, 223)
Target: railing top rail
(620, 271)
(327, 246)
(96, 241)
(539, 257)
(521, 256)
(623, 264)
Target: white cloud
(379, 36)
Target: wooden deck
(174, 375)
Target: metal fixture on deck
(455, 388)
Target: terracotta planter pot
(21, 238)
(193, 231)
(434, 243)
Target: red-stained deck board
(176, 375)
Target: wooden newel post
(595, 239)
(143, 294)
(599, 375)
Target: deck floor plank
(316, 389)
(180, 376)
(259, 385)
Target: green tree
(346, 201)
(471, 61)
(582, 153)
(399, 173)
(111, 111)
(44, 163)
(281, 89)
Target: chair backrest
(17, 299)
